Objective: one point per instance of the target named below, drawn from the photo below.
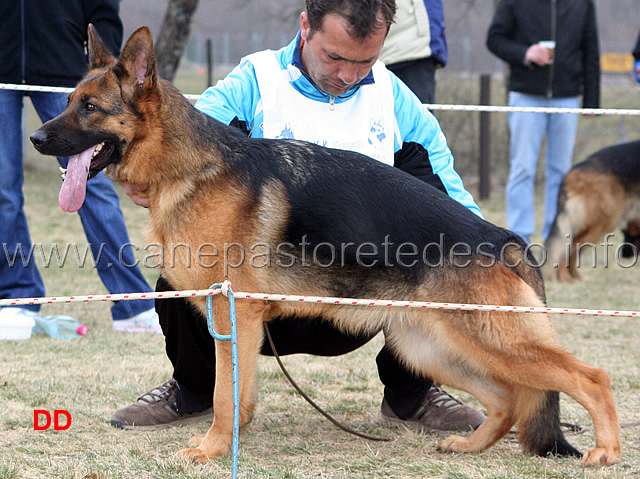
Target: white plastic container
(16, 328)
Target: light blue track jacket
(420, 145)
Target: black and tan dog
(327, 223)
(598, 196)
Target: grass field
(93, 376)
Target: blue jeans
(527, 130)
(100, 215)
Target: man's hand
(137, 193)
(539, 55)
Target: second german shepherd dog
(598, 196)
(375, 232)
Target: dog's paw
(196, 440)
(206, 451)
(599, 456)
(195, 454)
(455, 444)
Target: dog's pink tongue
(74, 186)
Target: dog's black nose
(38, 138)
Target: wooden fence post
(485, 138)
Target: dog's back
(622, 161)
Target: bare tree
(173, 36)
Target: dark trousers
(419, 76)
(191, 350)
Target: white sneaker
(16, 323)
(145, 322)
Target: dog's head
(104, 118)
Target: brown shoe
(440, 411)
(157, 410)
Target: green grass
(93, 376)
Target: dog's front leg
(217, 441)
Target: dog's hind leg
(217, 441)
(536, 413)
(423, 353)
(592, 389)
(557, 370)
(509, 404)
(513, 383)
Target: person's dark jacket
(44, 42)
(518, 24)
(636, 49)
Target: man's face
(333, 59)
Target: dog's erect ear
(99, 55)
(137, 65)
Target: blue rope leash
(233, 337)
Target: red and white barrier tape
(110, 297)
(48, 89)
(507, 109)
(320, 299)
(435, 106)
(55, 89)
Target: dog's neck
(179, 143)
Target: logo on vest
(286, 133)
(376, 133)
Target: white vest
(364, 123)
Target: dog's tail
(541, 433)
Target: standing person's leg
(561, 138)
(526, 132)
(106, 231)
(105, 228)
(419, 76)
(19, 276)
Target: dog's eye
(90, 107)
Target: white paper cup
(549, 45)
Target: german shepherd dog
(598, 196)
(366, 224)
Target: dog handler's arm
(421, 147)
(233, 100)
(137, 193)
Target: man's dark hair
(361, 15)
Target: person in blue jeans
(44, 44)
(541, 76)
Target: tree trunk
(174, 33)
